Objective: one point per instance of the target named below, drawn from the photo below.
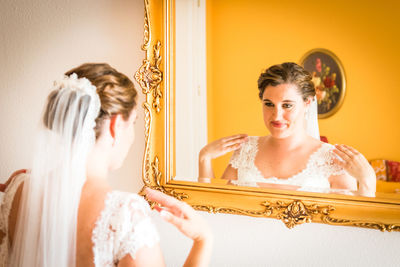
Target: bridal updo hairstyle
(287, 73)
(116, 91)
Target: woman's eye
(287, 105)
(268, 104)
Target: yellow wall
(245, 37)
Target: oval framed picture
(329, 80)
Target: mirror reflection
(292, 156)
(223, 46)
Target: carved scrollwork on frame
(379, 226)
(156, 78)
(263, 213)
(147, 32)
(149, 76)
(147, 130)
(291, 214)
(157, 178)
(296, 212)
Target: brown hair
(116, 91)
(289, 73)
(53, 109)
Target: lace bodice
(123, 226)
(314, 177)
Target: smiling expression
(283, 110)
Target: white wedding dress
(314, 177)
(123, 227)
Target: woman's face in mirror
(283, 110)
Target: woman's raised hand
(189, 222)
(180, 214)
(222, 146)
(355, 164)
(214, 150)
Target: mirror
(199, 75)
(229, 43)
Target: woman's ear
(308, 101)
(115, 125)
(112, 126)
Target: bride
(292, 156)
(62, 212)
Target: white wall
(40, 40)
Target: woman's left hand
(355, 164)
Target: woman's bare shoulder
(94, 193)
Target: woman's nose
(277, 114)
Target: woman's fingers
(171, 218)
(342, 155)
(180, 214)
(222, 146)
(169, 202)
(230, 144)
(231, 148)
(193, 227)
(339, 162)
(234, 142)
(353, 150)
(350, 155)
(345, 150)
(159, 197)
(233, 137)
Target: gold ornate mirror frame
(156, 78)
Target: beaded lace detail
(314, 177)
(123, 227)
(5, 209)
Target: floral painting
(328, 78)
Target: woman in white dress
(292, 156)
(63, 212)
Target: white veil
(311, 117)
(47, 220)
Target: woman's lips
(278, 124)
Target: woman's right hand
(189, 222)
(180, 214)
(222, 146)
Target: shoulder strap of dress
(245, 154)
(126, 222)
(325, 159)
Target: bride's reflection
(292, 157)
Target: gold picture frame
(329, 79)
(156, 79)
